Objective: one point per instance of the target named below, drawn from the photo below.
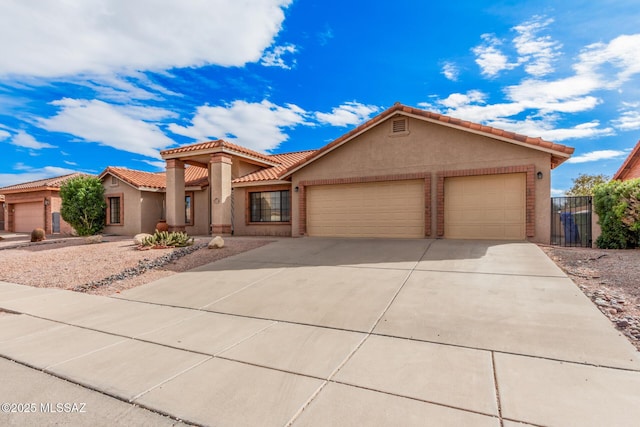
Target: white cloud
(258, 126)
(274, 57)
(536, 52)
(120, 127)
(599, 67)
(490, 58)
(595, 156)
(456, 100)
(545, 127)
(4, 134)
(66, 38)
(349, 113)
(451, 71)
(23, 139)
(32, 174)
(558, 193)
(629, 120)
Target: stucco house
(630, 169)
(406, 173)
(35, 204)
(136, 200)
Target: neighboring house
(36, 204)
(405, 173)
(136, 200)
(1, 212)
(630, 169)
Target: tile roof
(398, 108)
(284, 161)
(213, 146)
(136, 178)
(193, 176)
(42, 184)
(631, 166)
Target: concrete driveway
(320, 332)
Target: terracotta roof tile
(631, 166)
(193, 176)
(399, 108)
(210, 145)
(137, 178)
(41, 184)
(285, 161)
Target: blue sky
(87, 84)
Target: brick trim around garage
(530, 209)
(302, 194)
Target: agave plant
(165, 239)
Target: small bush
(83, 204)
(165, 239)
(38, 235)
(616, 203)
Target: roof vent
(399, 126)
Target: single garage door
(485, 207)
(28, 216)
(378, 209)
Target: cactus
(38, 235)
(165, 239)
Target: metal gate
(571, 221)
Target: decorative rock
(622, 323)
(601, 302)
(216, 243)
(38, 235)
(138, 238)
(93, 239)
(612, 311)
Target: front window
(188, 209)
(270, 206)
(114, 207)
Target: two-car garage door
(375, 209)
(475, 207)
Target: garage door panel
(485, 207)
(394, 209)
(28, 216)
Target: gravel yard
(108, 267)
(610, 278)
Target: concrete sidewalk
(334, 332)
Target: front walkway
(341, 332)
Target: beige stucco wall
(427, 148)
(201, 215)
(130, 205)
(151, 210)
(240, 223)
(56, 205)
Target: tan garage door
(485, 207)
(28, 216)
(379, 209)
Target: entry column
(175, 195)
(220, 175)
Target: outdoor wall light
(46, 202)
(539, 175)
(296, 189)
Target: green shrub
(165, 239)
(616, 203)
(83, 205)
